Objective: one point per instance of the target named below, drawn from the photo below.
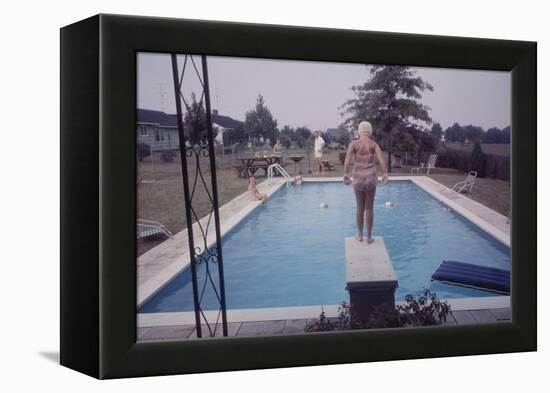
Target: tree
(390, 101)
(493, 135)
(286, 135)
(455, 133)
(235, 135)
(437, 132)
(301, 136)
(195, 122)
(343, 136)
(506, 135)
(259, 122)
(473, 133)
(287, 132)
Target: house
(335, 135)
(332, 133)
(159, 130)
(223, 123)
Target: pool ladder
(277, 167)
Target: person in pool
(364, 152)
(260, 196)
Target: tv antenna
(162, 90)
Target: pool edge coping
(299, 312)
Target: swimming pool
(289, 252)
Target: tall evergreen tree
(259, 122)
(437, 132)
(390, 101)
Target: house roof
(225, 121)
(156, 117)
(167, 120)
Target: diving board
(370, 277)
(473, 276)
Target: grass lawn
(162, 200)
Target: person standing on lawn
(318, 152)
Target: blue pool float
(473, 276)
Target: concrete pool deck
(488, 311)
(161, 264)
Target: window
(143, 130)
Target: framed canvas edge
(119, 353)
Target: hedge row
(493, 166)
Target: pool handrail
(281, 170)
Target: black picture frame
(98, 195)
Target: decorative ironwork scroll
(196, 144)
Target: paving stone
(261, 328)
(463, 317)
(483, 316)
(168, 332)
(232, 329)
(294, 326)
(450, 320)
(141, 331)
(502, 314)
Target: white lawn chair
(146, 228)
(428, 165)
(467, 184)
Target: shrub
(427, 310)
(424, 310)
(143, 150)
(322, 324)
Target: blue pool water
(289, 252)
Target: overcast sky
(302, 93)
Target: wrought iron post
(198, 147)
(214, 191)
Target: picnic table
(250, 165)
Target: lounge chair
(397, 161)
(427, 165)
(473, 276)
(148, 228)
(466, 185)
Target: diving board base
(370, 278)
